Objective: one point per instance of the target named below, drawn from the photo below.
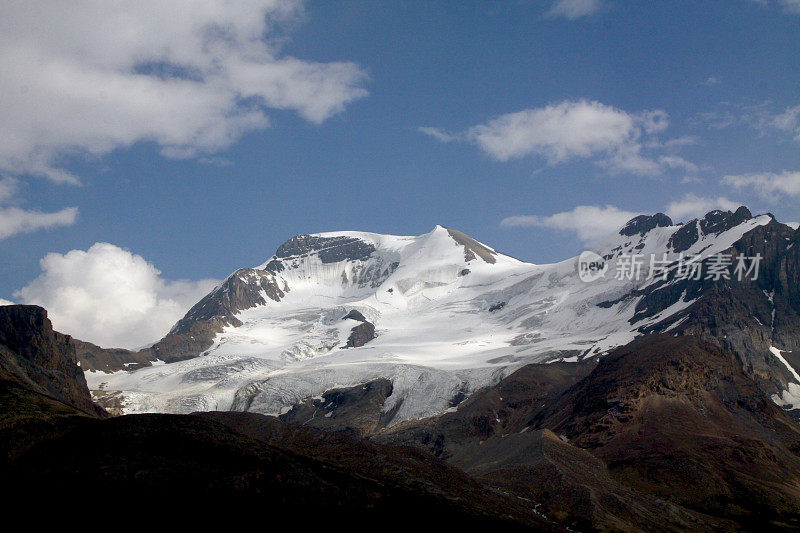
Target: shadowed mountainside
(53, 445)
(666, 433)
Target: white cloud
(8, 188)
(439, 134)
(789, 6)
(109, 296)
(557, 132)
(711, 80)
(5, 302)
(762, 117)
(792, 6)
(793, 225)
(590, 223)
(574, 9)
(571, 130)
(673, 161)
(768, 185)
(654, 121)
(87, 77)
(788, 121)
(628, 159)
(14, 220)
(693, 206)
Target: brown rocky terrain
(667, 433)
(59, 452)
(354, 410)
(34, 356)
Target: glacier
(451, 315)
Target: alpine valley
(372, 372)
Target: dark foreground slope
(667, 433)
(57, 453)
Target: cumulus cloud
(87, 77)
(556, 132)
(110, 296)
(590, 223)
(5, 302)
(574, 9)
(693, 206)
(768, 185)
(570, 130)
(15, 220)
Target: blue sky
(534, 126)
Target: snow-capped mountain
(441, 315)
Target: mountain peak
(644, 223)
(472, 248)
(718, 221)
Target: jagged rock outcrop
(714, 222)
(329, 249)
(195, 332)
(643, 223)
(472, 248)
(33, 355)
(747, 316)
(361, 335)
(357, 410)
(93, 357)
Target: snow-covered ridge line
(450, 315)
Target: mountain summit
(442, 315)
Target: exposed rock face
(644, 223)
(195, 332)
(472, 248)
(361, 335)
(714, 222)
(677, 418)
(665, 434)
(718, 221)
(356, 410)
(329, 249)
(685, 237)
(745, 316)
(93, 357)
(244, 289)
(34, 355)
(354, 315)
(496, 307)
(490, 412)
